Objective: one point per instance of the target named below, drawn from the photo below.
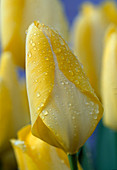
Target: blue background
(73, 6)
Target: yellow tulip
(88, 34)
(18, 14)
(32, 153)
(109, 79)
(13, 112)
(64, 108)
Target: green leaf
(106, 149)
(85, 158)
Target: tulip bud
(88, 35)
(64, 108)
(109, 79)
(32, 153)
(18, 14)
(13, 112)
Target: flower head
(88, 37)
(32, 153)
(64, 108)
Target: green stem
(73, 161)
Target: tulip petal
(109, 79)
(71, 102)
(8, 73)
(5, 115)
(17, 15)
(32, 153)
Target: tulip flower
(87, 38)
(32, 153)
(109, 79)
(18, 14)
(64, 108)
(13, 110)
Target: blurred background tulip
(32, 153)
(109, 79)
(17, 15)
(14, 112)
(55, 83)
(88, 36)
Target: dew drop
(46, 113)
(70, 104)
(97, 111)
(95, 117)
(33, 44)
(41, 104)
(62, 83)
(29, 55)
(42, 117)
(90, 113)
(38, 108)
(71, 72)
(46, 58)
(73, 117)
(38, 94)
(58, 50)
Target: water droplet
(76, 81)
(71, 72)
(62, 83)
(38, 108)
(77, 70)
(33, 44)
(46, 73)
(41, 104)
(62, 57)
(29, 54)
(73, 117)
(58, 50)
(66, 82)
(90, 113)
(46, 58)
(68, 61)
(92, 103)
(38, 94)
(62, 42)
(34, 48)
(45, 112)
(70, 104)
(95, 117)
(42, 117)
(97, 111)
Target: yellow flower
(18, 14)
(109, 79)
(88, 34)
(13, 113)
(34, 154)
(64, 109)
